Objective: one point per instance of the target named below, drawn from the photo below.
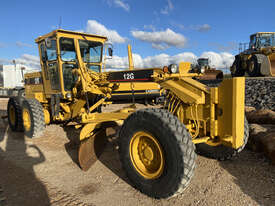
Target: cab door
(68, 62)
(49, 66)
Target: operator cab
(203, 62)
(262, 40)
(63, 51)
(202, 65)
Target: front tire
(33, 118)
(254, 67)
(235, 69)
(157, 153)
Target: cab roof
(262, 33)
(53, 33)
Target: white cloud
(217, 60)
(21, 44)
(150, 27)
(161, 39)
(29, 60)
(169, 7)
(201, 28)
(151, 61)
(226, 47)
(96, 28)
(160, 46)
(180, 26)
(26, 60)
(120, 4)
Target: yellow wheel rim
(26, 119)
(146, 155)
(12, 115)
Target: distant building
(12, 75)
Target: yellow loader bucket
(271, 58)
(212, 74)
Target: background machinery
(156, 146)
(11, 80)
(258, 59)
(207, 73)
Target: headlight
(173, 68)
(202, 70)
(68, 95)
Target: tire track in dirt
(60, 198)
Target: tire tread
(15, 102)
(37, 116)
(185, 149)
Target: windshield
(203, 62)
(91, 51)
(266, 40)
(67, 49)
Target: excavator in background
(258, 59)
(207, 73)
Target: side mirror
(110, 51)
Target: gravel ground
(44, 171)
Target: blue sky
(156, 28)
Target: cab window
(67, 49)
(51, 50)
(91, 52)
(265, 40)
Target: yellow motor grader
(157, 147)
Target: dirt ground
(44, 171)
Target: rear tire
(33, 118)
(222, 152)
(173, 155)
(14, 110)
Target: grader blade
(90, 149)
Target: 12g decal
(129, 76)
